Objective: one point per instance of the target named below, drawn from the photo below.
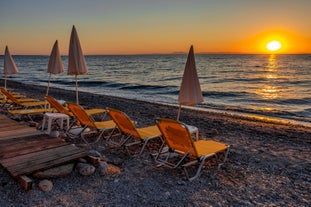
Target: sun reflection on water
(269, 90)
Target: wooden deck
(24, 150)
(12, 129)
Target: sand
(269, 164)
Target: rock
(82, 160)
(214, 132)
(45, 185)
(94, 153)
(104, 158)
(112, 170)
(93, 160)
(33, 124)
(85, 169)
(116, 161)
(102, 168)
(55, 172)
(54, 133)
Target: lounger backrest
(10, 96)
(60, 108)
(123, 122)
(81, 115)
(176, 136)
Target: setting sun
(273, 46)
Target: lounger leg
(49, 125)
(225, 158)
(197, 174)
(131, 144)
(146, 141)
(157, 155)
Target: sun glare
(273, 46)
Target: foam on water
(269, 85)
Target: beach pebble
(54, 133)
(45, 185)
(94, 153)
(94, 160)
(85, 169)
(104, 158)
(115, 160)
(82, 160)
(102, 168)
(214, 132)
(112, 170)
(55, 172)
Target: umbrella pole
(5, 85)
(47, 92)
(5, 82)
(77, 99)
(179, 109)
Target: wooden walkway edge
(24, 150)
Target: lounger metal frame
(175, 158)
(129, 131)
(86, 121)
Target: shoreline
(269, 163)
(41, 90)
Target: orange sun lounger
(179, 143)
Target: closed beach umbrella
(9, 65)
(76, 61)
(55, 64)
(190, 92)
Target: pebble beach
(269, 163)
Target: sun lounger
(62, 109)
(15, 94)
(130, 132)
(87, 122)
(19, 97)
(4, 100)
(16, 103)
(178, 142)
(20, 113)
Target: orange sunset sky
(155, 26)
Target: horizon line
(173, 53)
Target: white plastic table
(193, 130)
(50, 117)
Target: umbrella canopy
(76, 62)
(190, 92)
(55, 64)
(9, 65)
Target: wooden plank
(42, 160)
(25, 182)
(38, 157)
(16, 129)
(29, 147)
(19, 133)
(27, 141)
(12, 128)
(25, 168)
(16, 140)
(24, 150)
(2, 117)
(6, 121)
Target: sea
(269, 86)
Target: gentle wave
(272, 85)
